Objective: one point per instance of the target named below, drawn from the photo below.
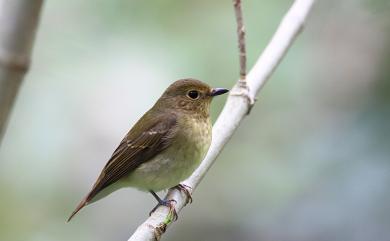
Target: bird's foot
(167, 203)
(187, 191)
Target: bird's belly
(170, 167)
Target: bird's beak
(218, 91)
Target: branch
(236, 108)
(18, 24)
(241, 38)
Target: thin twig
(232, 114)
(243, 89)
(241, 38)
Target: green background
(311, 162)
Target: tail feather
(80, 206)
(97, 187)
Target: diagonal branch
(236, 108)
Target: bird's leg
(166, 203)
(186, 189)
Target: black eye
(193, 94)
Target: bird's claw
(170, 205)
(186, 189)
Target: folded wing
(141, 144)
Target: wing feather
(139, 145)
(134, 151)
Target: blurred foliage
(311, 162)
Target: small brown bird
(164, 147)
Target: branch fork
(241, 89)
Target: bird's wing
(140, 145)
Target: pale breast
(178, 161)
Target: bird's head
(189, 95)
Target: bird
(164, 147)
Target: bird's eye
(193, 94)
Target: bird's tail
(80, 206)
(90, 198)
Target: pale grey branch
(236, 108)
(18, 24)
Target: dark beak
(218, 91)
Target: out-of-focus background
(311, 162)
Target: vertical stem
(18, 24)
(241, 38)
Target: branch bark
(18, 24)
(241, 38)
(236, 108)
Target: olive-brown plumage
(164, 147)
